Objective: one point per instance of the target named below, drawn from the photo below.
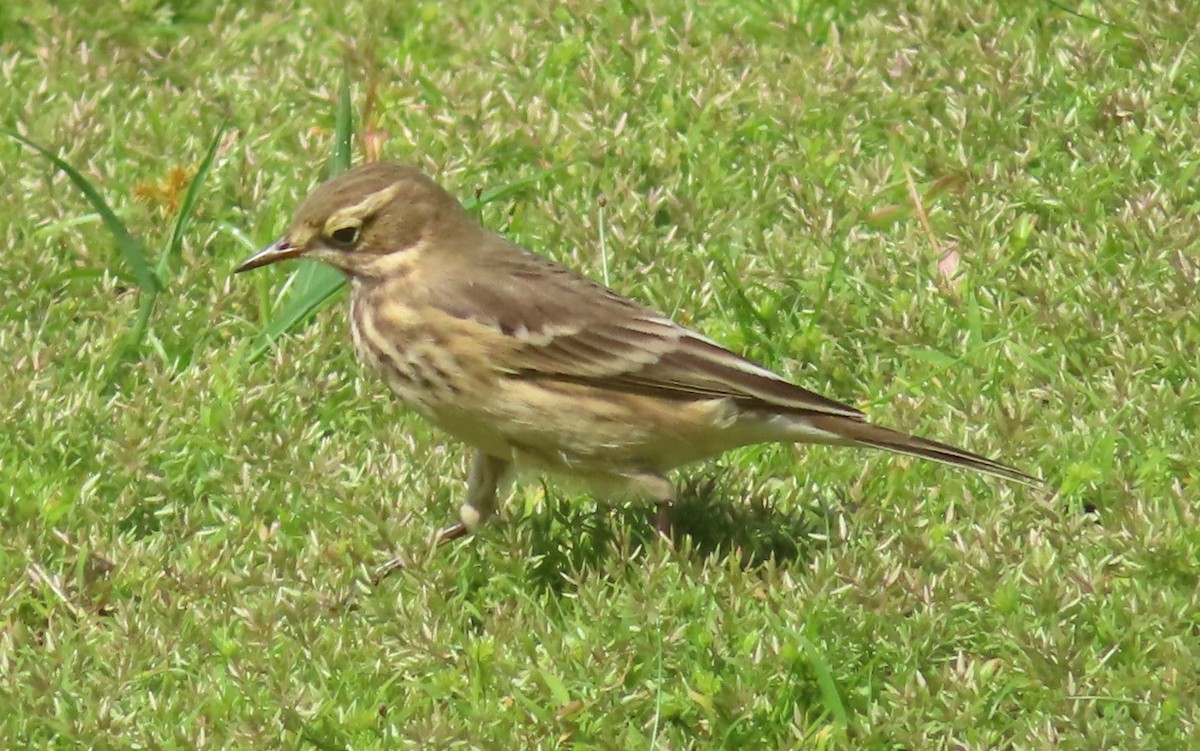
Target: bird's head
(369, 221)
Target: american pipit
(534, 365)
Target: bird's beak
(280, 250)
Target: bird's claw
(449, 534)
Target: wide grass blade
(343, 130)
(130, 248)
(141, 324)
(321, 283)
(313, 284)
(175, 244)
(830, 697)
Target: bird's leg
(487, 474)
(660, 490)
(662, 520)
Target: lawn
(976, 221)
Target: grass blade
(141, 324)
(321, 283)
(343, 130)
(745, 306)
(130, 248)
(830, 697)
(189, 203)
(504, 191)
(974, 321)
(313, 283)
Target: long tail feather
(865, 434)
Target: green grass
(180, 547)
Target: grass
(799, 181)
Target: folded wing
(566, 327)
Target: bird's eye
(345, 235)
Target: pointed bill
(280, 250)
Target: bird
(535, 366)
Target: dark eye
(345, 235)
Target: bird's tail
(860, 433)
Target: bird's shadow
(710, 519)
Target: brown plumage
(534, 365)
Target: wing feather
(563, 326)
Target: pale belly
(577, 430)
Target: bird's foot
(449, 534)
(452, 533)
(387, 570)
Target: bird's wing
(563, 326)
